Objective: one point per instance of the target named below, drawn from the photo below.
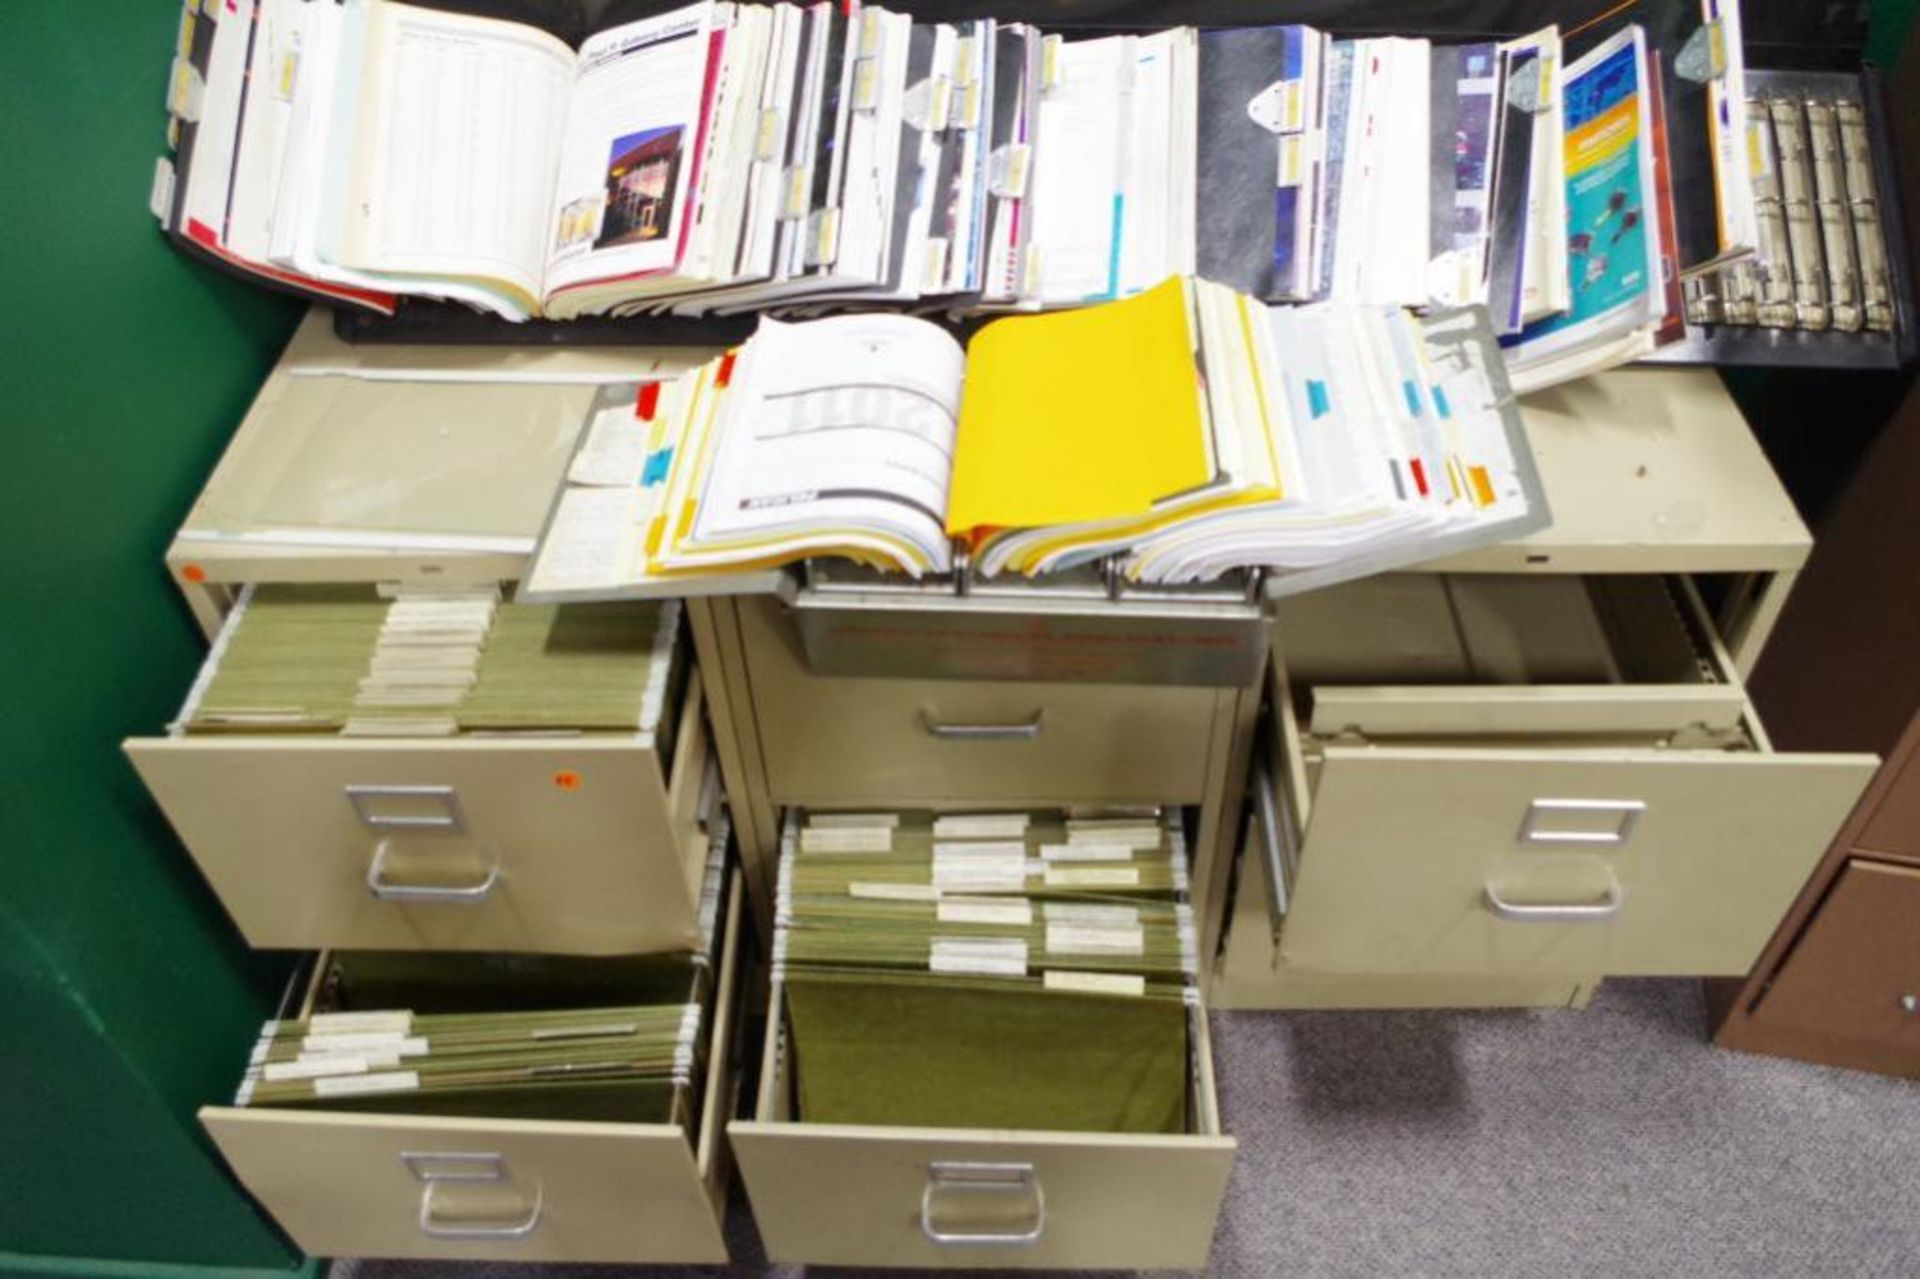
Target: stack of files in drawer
(344, 659)
(987, 970)
(500, 1035)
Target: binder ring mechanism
(405, 810)
(437, 1169)
(950, 1179)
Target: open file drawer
(1590, 793)
(883, 1196)
(569, 844)
(921, 1107)
(392, 1185)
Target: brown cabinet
(1840, 981)
(1893, 826)
(1855, 972)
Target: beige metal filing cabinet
(1525, 769)
(1496, 781)
(433, 465)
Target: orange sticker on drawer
(567, 779)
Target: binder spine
(1830, 203)
(1863, 211)
(1774, 265)
(1803, 235)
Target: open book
(372, 149)
(1239, 436)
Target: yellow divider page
(1084, 415)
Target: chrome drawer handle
(457, 894)
(366, 800)
(1025, 731)
(1589, 913)
(1625, 813)
(437, 1169)
(982, 1178)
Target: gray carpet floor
(1613, 1141)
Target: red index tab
(725, 375)
(649, 401)
(1420, 477)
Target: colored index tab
(1440, 405)
(1413, 396)
(1319, 403)
(648, 402)
(657, 467)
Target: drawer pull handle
(979, 1179)
(1578, 913)
(1625, 813)
(456, 894)
(366, 801)
(434, 1170)
(1026, 730)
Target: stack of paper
(423, 663)
(632, 1062)
(988, 970)
(728, 157)
(1336, 440)
(501, 1035)
(292, 661)
(718, 157)
(303, 658)
(568, 667)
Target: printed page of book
(1078, 164)
(319, 156)
(836, 426)
(453, 149)
(621, 198)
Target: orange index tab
(1079, 416)
(1482, 485)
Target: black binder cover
(1239, 160)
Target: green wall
(126, 998)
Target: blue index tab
(656, 471)
(1413, 396)
(1319, 403)
(1440, 402)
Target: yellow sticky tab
(1292, 160)
(1293, 106)
(1052, 431)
